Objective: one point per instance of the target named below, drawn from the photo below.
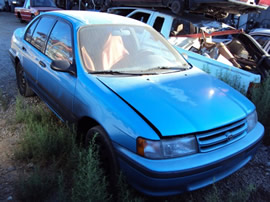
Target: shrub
(260, 96)
(44, 138)
(89, 181)
(36, 187)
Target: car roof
(93, 18)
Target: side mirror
(60, 65)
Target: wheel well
(16, 61)
(84, 124)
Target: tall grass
(86, 178)
(44, 137)
(260, 96)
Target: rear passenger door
(35, 40)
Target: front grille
(219, 137)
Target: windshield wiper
(119, 73)
(167, 68)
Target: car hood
(181, 103)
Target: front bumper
(177, 175)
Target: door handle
(42, 63)
(24, 49)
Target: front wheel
(22, 83)
(106, 153)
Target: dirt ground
(255, 173)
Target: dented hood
(181, 103)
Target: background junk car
(167, 125)
(32, 8)
(240, 60)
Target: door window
(59, 45)
(41, 32)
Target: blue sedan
(167, 125)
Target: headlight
(167, 148)
(252, 120)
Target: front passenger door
(58, 87)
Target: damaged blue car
(167, 125)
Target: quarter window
(29, 33)
(41, 33)
(59, 45)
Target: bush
(89, 181)
(36, 187)
(44, 138)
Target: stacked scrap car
(242, 60)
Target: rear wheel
(106, 154)
(20, 18)
(23, 86)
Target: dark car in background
(16, 3)
(216, 8)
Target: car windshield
(43, 3)
(127, 49)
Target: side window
(143, 17)
(158, 23)
(41, 32)
(29, 33)
(59, 46)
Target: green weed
(89, 181)
(234, 81)
(242, 194)
(36, 187)
(260, 96)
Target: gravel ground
(255, 173)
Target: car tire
(176, 6)
(22, 83)
(20, 18)
(106, 154)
